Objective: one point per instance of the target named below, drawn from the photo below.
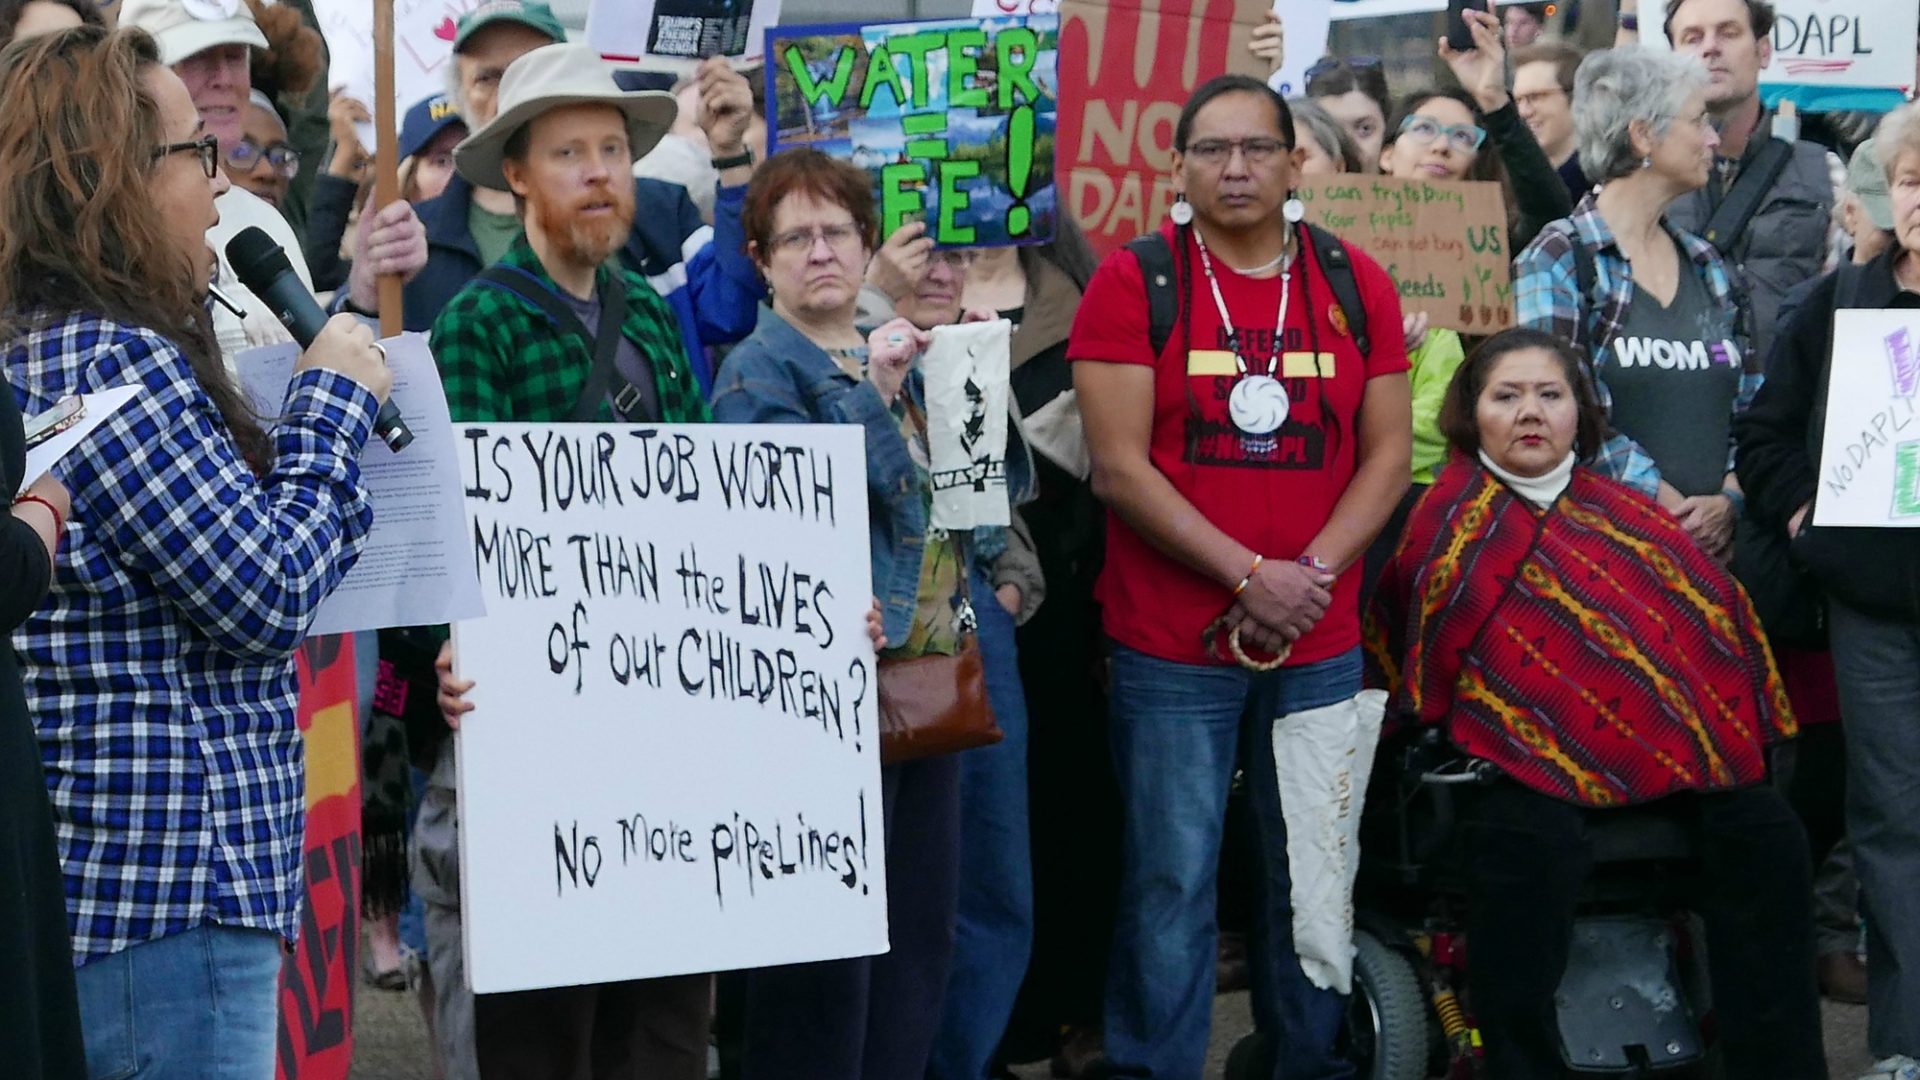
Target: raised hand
(1482, 70)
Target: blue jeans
(203, 1005)
(993, 936)
(1176, 730)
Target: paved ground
(391, 1041)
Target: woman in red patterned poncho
(1565, 628)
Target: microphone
(263, 268)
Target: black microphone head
(255, 258)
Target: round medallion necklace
(1258, 404)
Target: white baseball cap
(184, 27)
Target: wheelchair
(1634, 1001)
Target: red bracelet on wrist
(59, 523)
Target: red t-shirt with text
(1273, 494)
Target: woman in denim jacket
(811, 228)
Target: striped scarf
(1590, 649)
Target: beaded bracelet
(1248, 580)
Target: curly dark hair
(1458, 410)
(295, 54)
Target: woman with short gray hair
(1651, 306)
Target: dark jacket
(701, 270)
(1538, 194)
(327, 214)
(1874, 570)
(1786, 241)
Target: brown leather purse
(937, 704)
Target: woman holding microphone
(159, 671)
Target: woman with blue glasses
(1475, 134)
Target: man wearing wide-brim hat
(701, 268)
(559, 331)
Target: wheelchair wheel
(1387, 1014)
(1385, 1033)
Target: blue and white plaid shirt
(159, 672)
(1546, 295)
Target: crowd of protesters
(1599, 578)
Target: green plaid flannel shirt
(502, 360)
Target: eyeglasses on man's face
(1260, 151)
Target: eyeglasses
(1465, 138)
(1539, 97)
(1217, 152)
(206, 146)
(247, 154)
(953, 258)
(801, 241)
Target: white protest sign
(1343, 10)
(1306, 25)
(1870, 452)
(422, 50)
(677, 33)
(1833, 44)
(672, 764)
(966, 371)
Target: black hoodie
(1876, 571)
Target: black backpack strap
(1584, 277)
(605, 345)
(1336, 266)
(1743, 200)
(1163, 299)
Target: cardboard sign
(672, 764)
(1870, 451)
(422, 50)
(1444, 243)
(679, 32)
(1835, 54)
(1126, 68)
(954, 119)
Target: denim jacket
(778, 376)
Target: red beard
(589, 240)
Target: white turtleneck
(1539, 490)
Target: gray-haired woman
(1329, 148)
(1652, 306)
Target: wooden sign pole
(386, 166)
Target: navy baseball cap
(425, 120)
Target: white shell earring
(1293, 210)
(1181, 212)
(1647, 162)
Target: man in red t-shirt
(1246, 466)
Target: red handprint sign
(1126, 67)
